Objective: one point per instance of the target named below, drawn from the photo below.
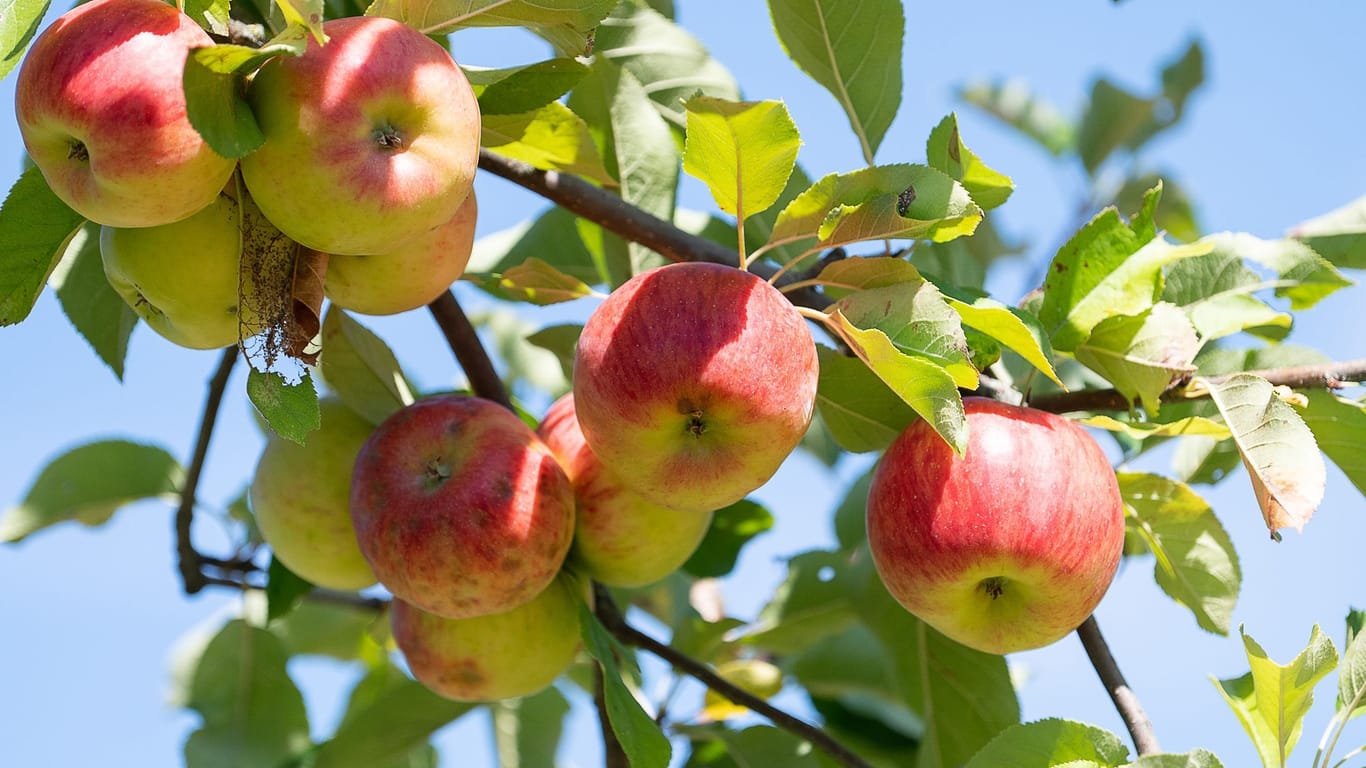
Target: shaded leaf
(552, 236)
(947, 152)
(754, 676)
(551, 138)
(92, 305)
(854, 51)
(284, 589)
(340, 631)
(1339, 235)
(732, 527)
(1305, 276)
(567, 24)
(1216, 291)
(743, 151)
(1196, 564)
(1014, 103)
(1196, 759)
(291, 410)
(1277, 448)
(1339, 427)
(1352, 671)
(811, 603)
(89, 483)
(35, 230)
(862, 413)
(1142, 354)
(641, 738)
(851, 516)
(1051, 742)
(387, 717)
(360, 368)
(559, 340)
(527, 88)
(963, 263)
(1113, 119)
(526, 731)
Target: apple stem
(1126, 701)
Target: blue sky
(1272, 139)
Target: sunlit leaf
(552, 237)
(536, 282)
(1195, 759)
(918, 321)
(18, 25)
(1011, 327)
(743, 151)
(1052, 742)
(291, 410)
(754, 676)
(35, 229)
(567, 24)
(732, 527)
(1216, 291)
(1339, 427)
(551, 138)
(1142, 430)
(1142, 354)
(947, 152)
(862, 413)
(1305, 276)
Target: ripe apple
(498, 656)
(459, 507)
(409, 277)
(102, 113)
(181, 277)
(621, 538)
(693, 382)
(1008, 548)
(301, 494)
(370, 140)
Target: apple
(181, 277)
(459, 508)
(301, 494)
(370, 140)
(1008, 548)
(621, 538)
(498, 656)
(693, 382)
(409, 277)
(102, 113)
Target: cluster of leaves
(1120, 305)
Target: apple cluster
(370, 147)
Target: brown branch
(613, 754)
(1130, 710)
(610, 616)
(189, 559)
(627, 221)
(1329, 375)
(470, 353)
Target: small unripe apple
(301, 494)
(514, 653)
(693, 382)
(370, 139)
(412, 275)
(102, 112)
(182, 278)
(459, 508)
(1008, 548)
(621, 538)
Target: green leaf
(760, 746)
(515, 90)
(526, 731)
(215, 98)
(89, 483)
(1105, 269)
(35, 229)
(758, 677)
(1272, 700)
(388, 716)
(851, 516)
(521, 361)
(212, 15)
(854, 51)
(1011, 327)
(567, 24)
(553, 237)
(1014, 103)
(284, 589)
(1176, 215)
(645, 744)
(887, 201)
(845, 276)
(1339, 427)
(923, 385)
(19, 23)
(918, 321)
(253, 713)
(1051, 742)
(1196, 759)
(360, 368)
(1339, 235)
(1196, 565)
(963, 263)
(340, 631)
(947, 152)
(744, 151)
(862, 413)
(291, 410)
(1142, 430)
(665, 58)
(759, 228)
(536, 282)
(1352, 671)
(94, 308)
(1142, 354)
(1305, 276)
(559, 340)
(1277, 448)
(731, 529)
(1216, 291)
(551, 138)
(304, 14)
(1112, 120)
(811, 604)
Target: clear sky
(89, 617)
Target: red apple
(102, 113)
(1009, 547)
(499, 656)
(459, 508)
(693, 382)
(621, 538)
(370, 140)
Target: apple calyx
(994, 586)
(78, 152)
(389, 139)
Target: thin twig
(470, 353)
(613, 754)
(612, 619)
(1130, 710)
(1329, 375)
(189, 559)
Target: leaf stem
(189, 560)
(1126, 702)
(610, 616)
(469, 351)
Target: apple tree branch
(1126, 701)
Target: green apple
(621, 538)
(498, 656)
(301, 494)
(102, 113)
(181, 277)
(370, 140)
(409, 277)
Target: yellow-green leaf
(551, 138)
(743, 151)
(947, 152)
(1142, 354)
(1142, 430)
(1012, 328)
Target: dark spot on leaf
(1059, 267)
(953, 145)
